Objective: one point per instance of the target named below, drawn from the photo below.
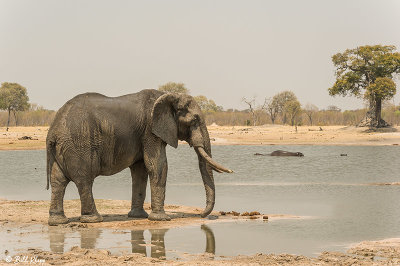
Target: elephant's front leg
(139, 183)
(155, 159)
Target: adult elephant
(94, 135)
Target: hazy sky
(221, 49)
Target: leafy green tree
(173, 87)
(293, 110)
(207, 105)
(202, 101)
(280, 100)
(367, 72)
(13, 98)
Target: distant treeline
(235, 117)
(35, 116)
(38, 116)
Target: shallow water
(333, 190)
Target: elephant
(282, 153)
(94, 135)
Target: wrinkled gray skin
(281, 153)
(94, 135)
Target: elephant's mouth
(214, 165)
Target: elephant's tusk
(216, 166)
(217, 170)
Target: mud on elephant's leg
(89, 212)
(139, 183)
(156, 165)
(58, 184)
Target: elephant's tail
(51, 143)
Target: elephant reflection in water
(57, 238)
(158, 244)
(89, 239)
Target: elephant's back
(100, 129)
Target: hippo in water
(282, 153)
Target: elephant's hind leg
(89, 212)
(139, 183)
(58, 184)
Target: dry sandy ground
(14, 214)
(305, 135)
(81, 257)
(9, 139)
(115, 213)
(228, 135)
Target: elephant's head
(178, 117)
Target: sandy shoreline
(9, 140)
(15, 215)
(115, 213)
(305, 135)
(238, 135)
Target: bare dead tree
(251, 104)
(310, 110)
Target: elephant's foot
(91, 218)
(55, 219)
(159, 216)
(138, 213)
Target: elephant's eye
(196, 119)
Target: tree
(207, 105)
(293, 109)
(272, 108)
(280, 100)
(13, 98)
(368, 72)
(310, 110)
(251, 104)
(173, 87)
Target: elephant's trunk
(202, 145)
(206, 171)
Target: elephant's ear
(164, 124)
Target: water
(334, 191)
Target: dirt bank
(13, 139)
(15, 215)
(115, 213)
(81, 256)
(228, 135)
(305, 135)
